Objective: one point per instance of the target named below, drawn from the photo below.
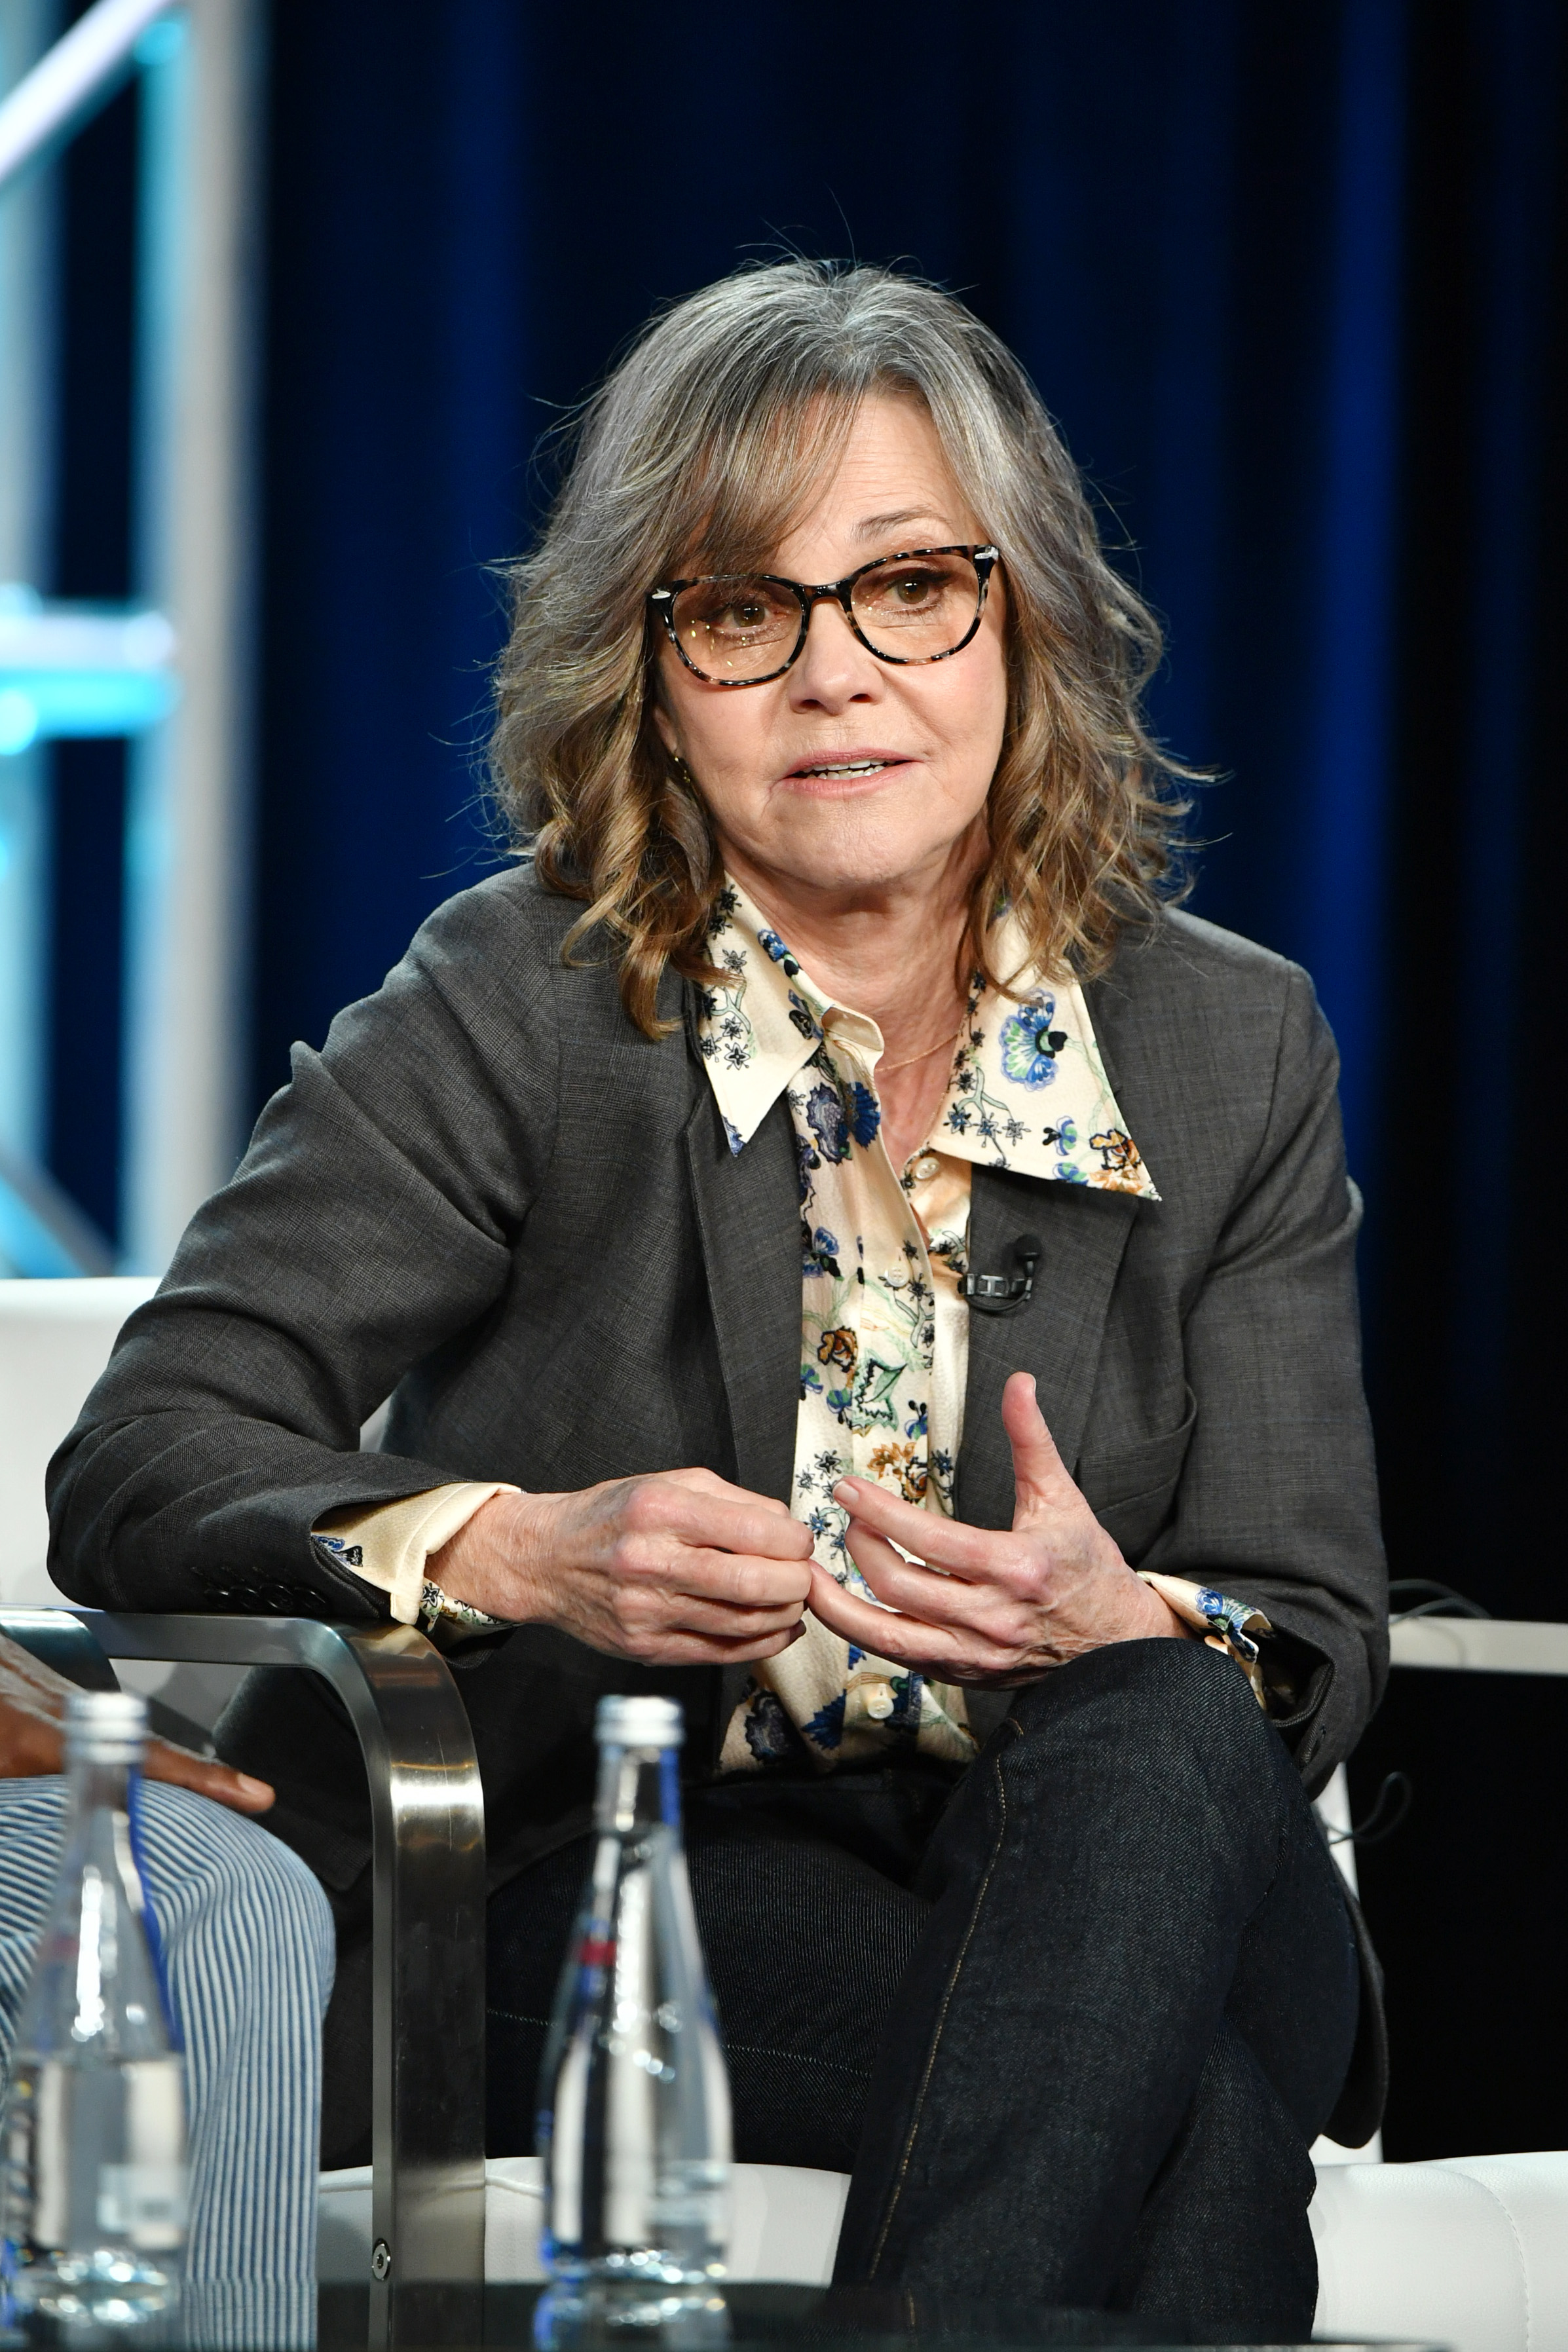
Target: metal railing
(170, 671)
(74, 75)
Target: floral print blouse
(884, 1328)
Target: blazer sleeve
(1278, 1502)
(372, 1218)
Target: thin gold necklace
(886, 1069)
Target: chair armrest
(1480, 1645)
(428, 1833)
(59, 1639)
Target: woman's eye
(906, 592)
(743, 615)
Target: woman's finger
(905, 1641)
(690, 1614)
(708, 1482)
(237, 1790)
(915, 1591)
(1040, 1476)
(736, 1580)
(964, 1551)
(707, 1650)
(706, 1521)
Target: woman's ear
(665, 724)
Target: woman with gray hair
(845, 1250)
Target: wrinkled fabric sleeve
(388, 1544)
(1277, 1503)
(371, 1220)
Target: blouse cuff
(389, 1544)
(1233, 1626)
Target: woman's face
(762, 756)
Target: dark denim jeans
(1073, 2022)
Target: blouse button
(927, 1166)
(879, 1702)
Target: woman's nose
(833, 665)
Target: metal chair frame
(428, 1865)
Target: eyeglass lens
(745, 625)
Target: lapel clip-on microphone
(1003, 1294)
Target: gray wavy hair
(694, 453)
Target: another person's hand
(675, 1569)
(32, 1738)
(1009, 1607)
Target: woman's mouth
(866, 763)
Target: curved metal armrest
(429, 1830)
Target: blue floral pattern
(1030, 1045)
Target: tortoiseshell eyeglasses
(742, 628)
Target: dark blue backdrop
(1292, 279)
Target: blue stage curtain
(1292, 279)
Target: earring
(682, 772)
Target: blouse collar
(1028, 1089)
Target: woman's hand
(676, 1569)
(1010, 1607)
(32, 1738)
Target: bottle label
(145, 2204)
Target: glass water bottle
(92, 2138)
(633, 2122)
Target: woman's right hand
(675, 1569)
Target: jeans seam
(799, 2058)
(900, 2177)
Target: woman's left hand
(1009, 1607)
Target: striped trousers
(248, 1951)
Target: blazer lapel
(748, 1213)
(1056, 1335)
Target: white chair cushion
(1472, 2252)
(784, 2225)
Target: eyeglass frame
(984, 558)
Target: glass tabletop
(744, 2318)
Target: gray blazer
(489, 1197)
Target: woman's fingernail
(250, 1788)
(845, 1491)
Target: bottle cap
(641, 1722)
(105, 1728)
